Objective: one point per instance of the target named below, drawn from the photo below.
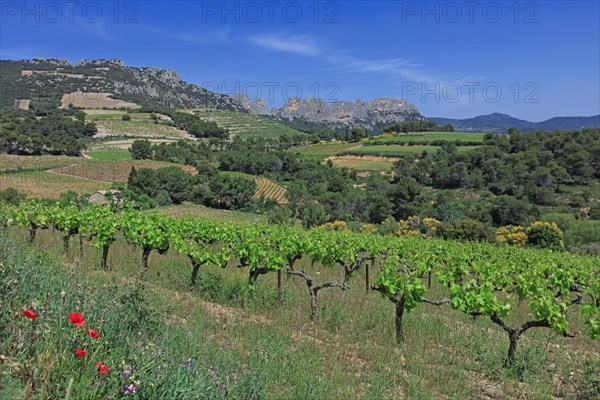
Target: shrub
(335, 226)
(546, 235)
(466, 229)
(513, 235)
(11, 196)
(280, 215)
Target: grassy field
(395, 150)
(245, 124)
(241, 344)
(384, 147)
(421, 137)
(322, 150)
(114, 155)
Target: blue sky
(532, 60)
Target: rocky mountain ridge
(313, 113)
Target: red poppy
(102, 367)
(92, 333)
(77, 319)
(30, 314)
(80, 353)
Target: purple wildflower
(129, 389)
(187, 363)
(127, 371)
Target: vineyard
(330, 295)
(265, 188)
(270, 190)
(245, 124)
(482, 280)
(114, 171)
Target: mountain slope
(47, 80)
(501, 122)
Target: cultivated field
(45, 184)
(322, 150)
(264, 187)
(94, 101)
(144, 128)
(378, 153)
(243, 344)
(109, 155)
(245, 124)
(426, 137)
(395, 150)
(113, 171)
(9, 162)
(366, 163)
(196, 210)
(270, 190)
(52, 175)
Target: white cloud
(306, 45)
(302, 44)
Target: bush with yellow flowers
(335, 226)
(513, 235)
(368, 228)
(546, 235)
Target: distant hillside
(312, 113)
(49, 80)
(501, 122)
(95, 84)
(246, 124)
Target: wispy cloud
(305, 45)
(302, 44)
